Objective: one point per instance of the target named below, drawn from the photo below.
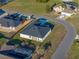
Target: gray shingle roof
(36, 30)
(12, 20)
(7, 22)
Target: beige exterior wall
(58, 9)
(31, 37)
(34, 38)
(14, 29)
(25, 36)
(8, 28)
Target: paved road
(65, 45)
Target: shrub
(47, 45)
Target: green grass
(77, 1)
(74, 20)
(29, 6)
(2, 41)
(74, 51)
(55, 38)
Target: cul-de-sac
(39, 29)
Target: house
(67, 0)
(77, 36)
(38, 30)
(22, 52)
(12, 21)
(65, 14)
(58, 8)
(2, 2)
(3, 13)
(71, 5)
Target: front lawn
(29, 6)
(74, 51)
(74, 20)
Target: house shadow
(21, 52)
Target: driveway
(67, 42)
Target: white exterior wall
(8, 28)
(67, 0)
(58, 9)
(36, 38)
(12, 28)
(40, 39)
(47, 35)
(5, 14)
(77, 36)
(25, 36)
(65, 14)
(28, 37)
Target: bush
(43, 1)
(47, 45)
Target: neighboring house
(67, 0)
(71, 5)
(2, 2)
(12, 21)
(23, 52)
(58, 8)
(3, 13)
(38, 30)
(65, 14)
(77, 36)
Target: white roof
(67, 0)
